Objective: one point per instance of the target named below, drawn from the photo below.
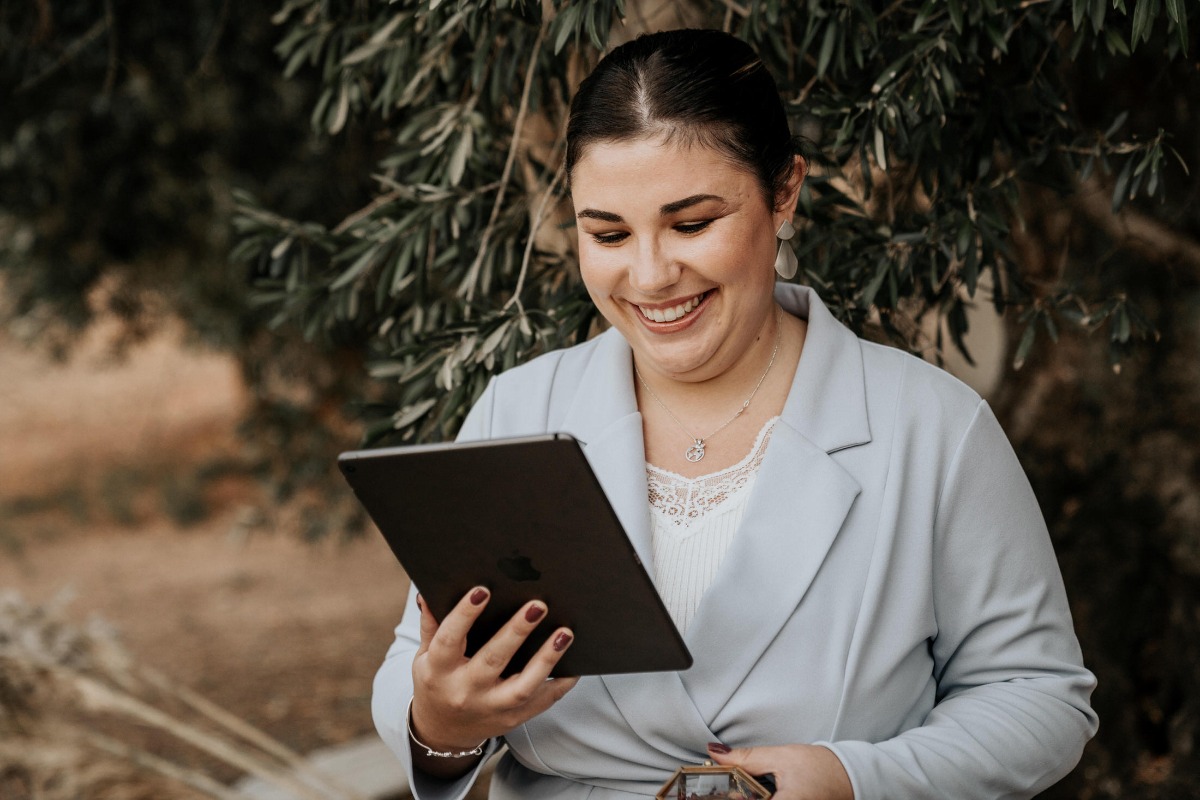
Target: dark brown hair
(692, 87)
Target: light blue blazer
(892, 593)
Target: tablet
(527, 519)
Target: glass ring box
(712, 782)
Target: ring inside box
(712, 782)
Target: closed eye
(692, 227)
(686, 228)
(616, 237)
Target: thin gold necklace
(696, 451)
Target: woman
(840, 530)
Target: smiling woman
(868, 589)
(681, 264)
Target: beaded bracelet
(429, 751)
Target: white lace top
(693, 522)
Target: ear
(786, 207)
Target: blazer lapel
(800, 500)
(603, 416)
(828, 399)
(656, 705)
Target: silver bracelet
(429, 751)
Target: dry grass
(62, 684)
(126, 483)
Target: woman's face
(677, 250)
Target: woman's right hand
(459, 702)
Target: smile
(674, 313)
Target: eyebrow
(664, 210)
(603, 216)
(687, 202)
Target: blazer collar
(827, 403)
(605, 394)
(828, 400)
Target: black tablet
(527, 519)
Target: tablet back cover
(527, 519)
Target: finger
(429, 625)
(495, 654)
(547, 693)
(754, 760)
(529, 685)
(769, 765)
(450, 639)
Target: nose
(653, 268)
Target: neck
(698, 427)
(725, 390)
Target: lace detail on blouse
(693, 521)
(683, 501)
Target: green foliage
(122, 133)
(123, 130)
(927, 119)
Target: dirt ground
(207, 582)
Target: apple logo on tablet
(518, 567)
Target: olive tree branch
(110, 75)
(1138, 232)
(366, 211)
(538, 219)
(471, 281)
(399, 191)
(735, 8)
(69, 54)
(214, 40)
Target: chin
(677, 365)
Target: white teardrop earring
(786, 262)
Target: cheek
(730, 258)
(598, 269)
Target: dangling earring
(786, 262)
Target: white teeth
(671, 314)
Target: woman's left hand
(801, 771)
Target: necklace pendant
(695, 452)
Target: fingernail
(534, 613)
(561, 641)
(720, 749)
(420, 603)
(478, 596)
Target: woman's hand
(459, 702)
(801, 771)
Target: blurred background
(235, 240)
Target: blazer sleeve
(1012, 712)
(393, 686)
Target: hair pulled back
(687, 87)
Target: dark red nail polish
(534, 613)
(561, 641)
(478, 596)
(720, 749)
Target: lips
(673, 313)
